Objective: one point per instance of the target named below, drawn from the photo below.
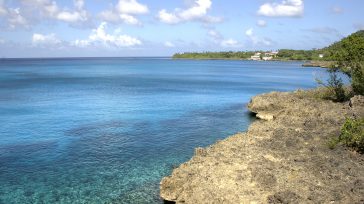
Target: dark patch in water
(24, 155)
(94, 129)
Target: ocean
(106, 130)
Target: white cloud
(109, 16)
(219, 40)
(125, 11)
(166, 17)
(2, 41)
(249, 32)
(255, 40)
(286, 8)
(72, 17)
(212, 19)
(34, 11)
(169, 44)
(229, 43)
(43, 40)
(128, 19)
(45, 8)
(3, 10)
(80, 43)
(99, 36)
(79, 15)
(197, 11)
(261, 23)
(214, 35)
(131, 7)
(79, 4)
(16, 19)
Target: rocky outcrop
(281, 159)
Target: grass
(322, 93)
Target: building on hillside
(321, 55)
(270, 55)
(256, 56)
(266, 56)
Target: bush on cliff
(335, 86)
(349, 54)
(352, 135)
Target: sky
(124, 28)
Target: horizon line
(14, 58)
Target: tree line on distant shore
(214, 55)
(325, 54)
(283, 54)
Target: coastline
(282, 158)
(240, 59)
(315, 63)
(305, 63)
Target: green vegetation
(286, 54)
(348, 54)
(335, 86)
(352, 135)
(330, 53)
(213, 55)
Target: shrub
(357, 78)
(352, 135)
(335, 86)
(349, 55)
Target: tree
(335, 85)
(350, 56)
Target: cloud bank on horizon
(55, 28)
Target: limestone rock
(281, 159)
(357, 103)
(265, 116)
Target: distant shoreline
(240, 59)
(305, 63)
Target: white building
(270, 55)
(265, 58)
(256, 56)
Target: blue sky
(89, 28)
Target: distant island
(317, 56)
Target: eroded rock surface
(282, 159)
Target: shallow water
(108, 129)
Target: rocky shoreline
(283, 158)
(322, 64)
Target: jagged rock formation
(283, 158)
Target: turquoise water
(108, 129)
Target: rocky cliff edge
(282, 158)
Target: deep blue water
(108, 129)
